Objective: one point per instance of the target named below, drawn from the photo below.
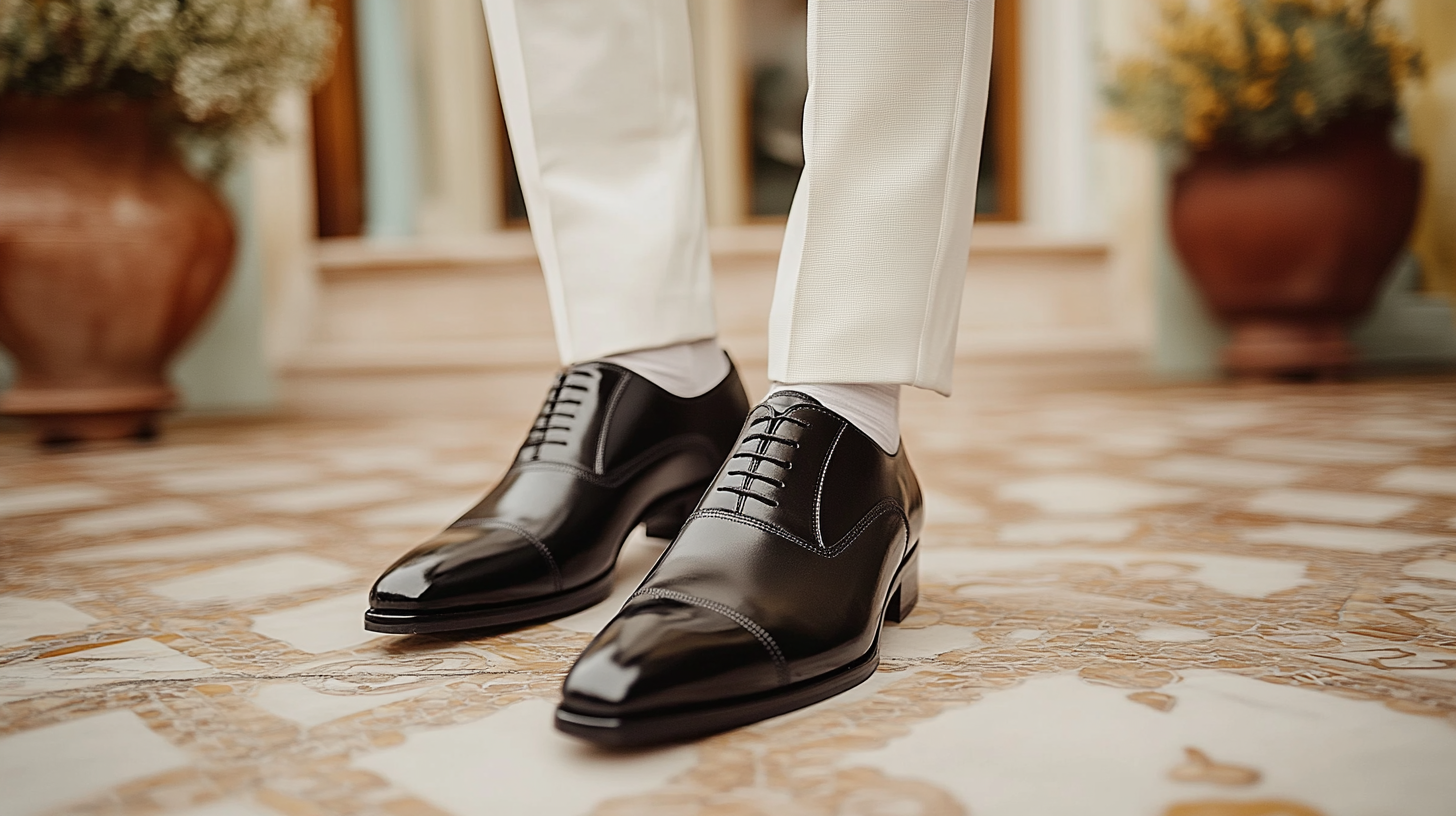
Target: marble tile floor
(1174, 601)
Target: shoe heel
(902, 601)
(667, 517)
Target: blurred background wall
(386, 259)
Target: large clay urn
(111, 253)
(1289, 249)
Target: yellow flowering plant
(1260, 74)
(214, 66)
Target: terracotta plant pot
(1290, 249)
(111, 252)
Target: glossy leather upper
(780, 575)
(606, 445)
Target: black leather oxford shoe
(609, 450)
(773, 594)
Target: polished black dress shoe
(609, 450)
(773, 595)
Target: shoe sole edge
(694, 723)
(714, 718)
(399, 622)
(663, 514)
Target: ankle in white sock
(874, 409)
(683, 369)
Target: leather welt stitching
(819, 490)
(635, 465)
(780, 664)
(526, 534)
(884, 507)
(617, 392)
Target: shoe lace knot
(757, 448)
(561, 407)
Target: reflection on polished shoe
(773, 594)
(609, 450)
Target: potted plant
(1293, 201)
(115, 116)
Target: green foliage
(214, 66)
(1261, 74)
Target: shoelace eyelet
(745, 451)
(539, 435)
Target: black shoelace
(763, 442)
(555, 415)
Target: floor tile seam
(226, 514)
(223, 674)
(145, 570)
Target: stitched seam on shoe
(881, 508)
(764, 638)
(819, 491)
(607, 423)
(529, 536)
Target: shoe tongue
(785, 399)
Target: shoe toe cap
(466, 566)
(662, 654)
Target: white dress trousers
(600, 107)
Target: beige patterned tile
(1320, 451)
(1171, 553)
(23, 618)
(308, 707)
(149, 516)
(321, 626)
(237, 478)
(1342, 537)
(144, 461)
(1172, 634)
(1220, 471)
(1112, 755)
(1328, 505)
(1051, 458)
(199, 545)
(231, 807)
(1091, 494)
(47, 767)
(514, 762)
(905, 643)
(93, 664)
(259, 578)
(328, 496)
(942, 508)
(1438, 481)
(1436, 569)
(1067, 531)
(363, 459)
(24, 501)
(1234, 575)
(1405, 429)
(1141, 442)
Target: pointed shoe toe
(462, 570)
(771, 597)
(609, 450)
(664, 654)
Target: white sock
(874, 409)
(683, 369)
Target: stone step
(436, 309)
